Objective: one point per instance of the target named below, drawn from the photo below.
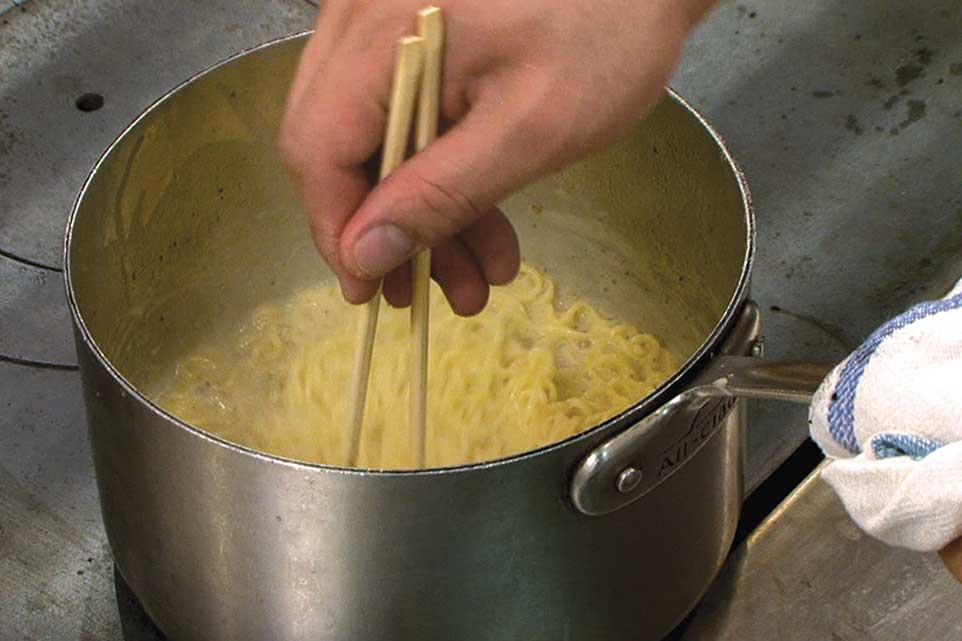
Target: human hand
(527, 87)
(951, 555)
(890, 417)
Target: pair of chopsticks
(417, 72)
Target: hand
(952, 557)
(527, 87)
(888, 418)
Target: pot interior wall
(189, 221)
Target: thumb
(444, 188)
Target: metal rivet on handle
(628, 480)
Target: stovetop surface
(846, 117)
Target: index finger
(333, 124)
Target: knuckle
(327, 243)
(550, 123)
(448, 208)
(322, 240)
(543, 133)
(545, 120)
(289, 146)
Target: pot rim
(630, 415)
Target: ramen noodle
(522, 374)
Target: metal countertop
(847, 118)
(809, 574)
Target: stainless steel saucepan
(187, 221)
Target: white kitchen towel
(890, 419)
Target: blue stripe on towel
(841, 409)
(893, 445)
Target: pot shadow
(678, 634)
(135, 624)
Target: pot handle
(747, 377)
(627, 466)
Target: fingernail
(381, 249)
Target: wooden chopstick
(407, 71)
(431, 29)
